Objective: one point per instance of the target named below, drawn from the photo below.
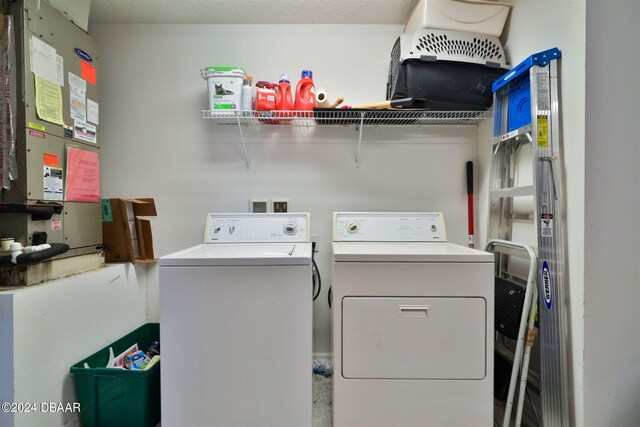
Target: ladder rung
(514, 134)
(526, 190)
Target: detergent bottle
(283, 95)
(305, 92)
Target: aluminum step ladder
(525, 192)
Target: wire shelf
(320, 117)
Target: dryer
(412, 324)
(236, 324)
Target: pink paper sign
(83, 176)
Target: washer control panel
(257, 228)
(389, 227)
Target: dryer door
(414, 338)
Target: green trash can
(117, 397)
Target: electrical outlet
(280, 205)
(316, 239)
(259, 205)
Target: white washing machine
(412, 324)
(236, 324)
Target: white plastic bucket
(225, 87)
(471, 16)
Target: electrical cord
(315, 277)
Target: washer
(236, 324)
(412, 324)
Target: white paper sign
(77, 98)
(44, 60)
(52, 183)
(93, 115)
(78, 82)
(60, 70)
(84, 131)
(546, 226)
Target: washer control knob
(353, 227)
(434, 228)
(290, 229)
(232, 229)
(216, 229)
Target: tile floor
(321, 401)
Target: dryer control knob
(290, 229)
(433, 228)
(353, 227)
(232, 229)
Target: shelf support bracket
(244, 147)
(360, 138)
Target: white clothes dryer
(236, 324)
(412, 324)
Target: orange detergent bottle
(284, 101)
(305, 92)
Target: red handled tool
(470, 202)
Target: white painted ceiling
(251, 11)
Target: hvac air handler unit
(49, 162)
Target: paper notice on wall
(48, 101)
(56, 224)
(88, 72)
(52, 183)
(77, 97)
(83, 176)
(51, 159)
(93, 115)
(60, 70)
(85, 132)
(44, 60)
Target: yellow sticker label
(543, 131)
(36, 126)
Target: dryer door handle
(414, 311)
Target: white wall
(612, 236)
(156, 144)
(534, 26)
(47, 328)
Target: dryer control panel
(389, 227)
(257, 228)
